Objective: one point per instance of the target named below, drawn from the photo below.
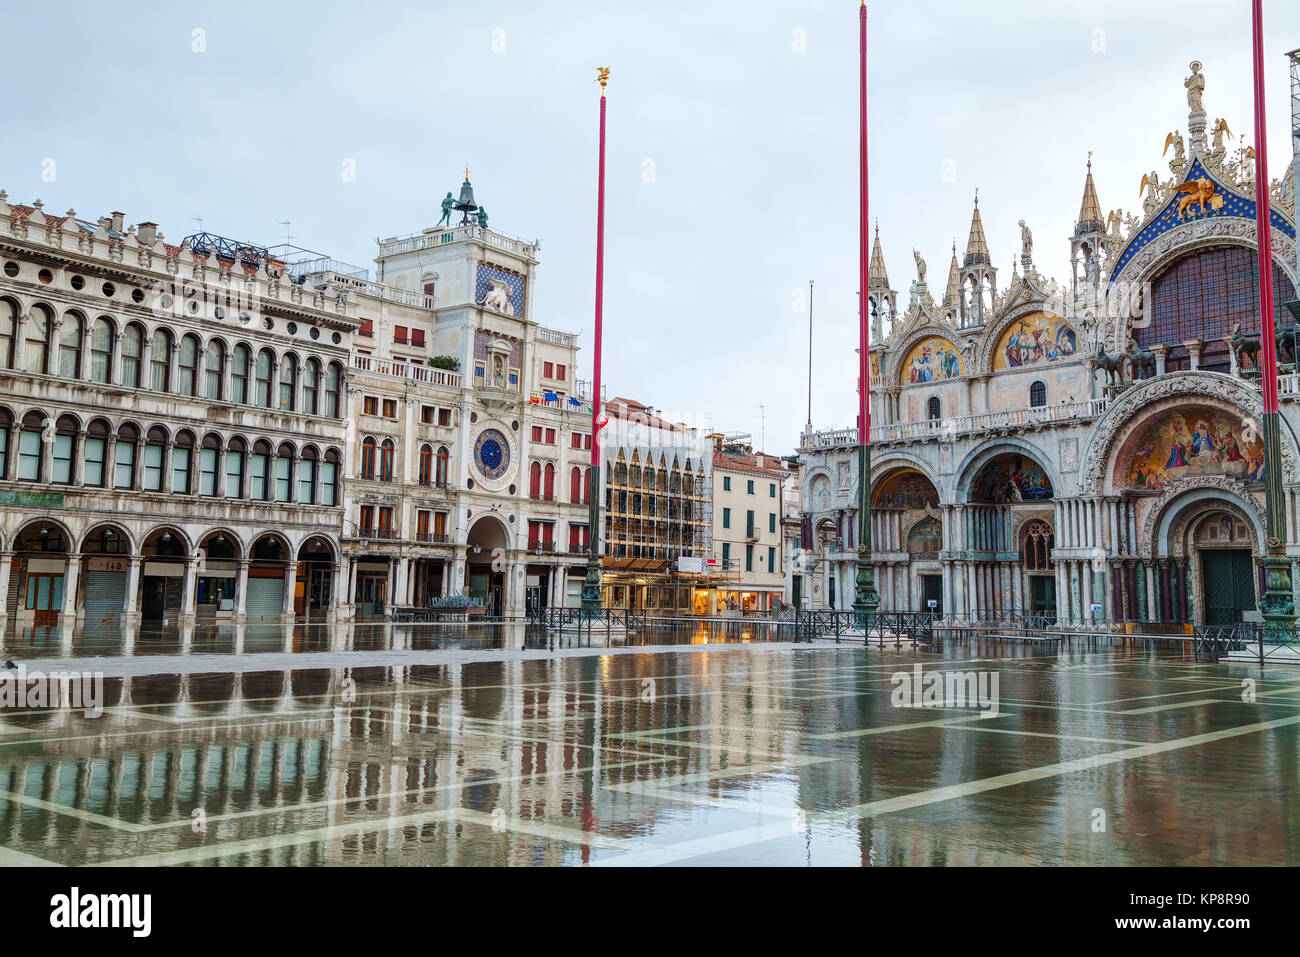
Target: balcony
(433, 538)
(547, 547)
(1066, 413)
(408, 371)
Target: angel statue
(920, 266)
(1150, 183)
(1195, 85)
(1179, 162)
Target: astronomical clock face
(492, 454)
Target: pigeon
(9, 664)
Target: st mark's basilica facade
(1090, 452)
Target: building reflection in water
(516, 760)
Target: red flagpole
(1262, 216)
(864, 370)
(591, 590)
(600, 286)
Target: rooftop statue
(920, 266)
(447, 203)
(1195, 87)
(1026, 240)
(482, 217)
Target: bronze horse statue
(1113, 365)
(1245, 345)
(1140, 359)
(1286, 338)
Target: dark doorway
(932, 591)
(153, 598)
(1228, 577)
(1042, 594)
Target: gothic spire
(876, 275)
(977, 248)
(1090, 218)
(952, 295)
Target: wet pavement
(421, 745)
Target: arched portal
(270, 578)
(316, 564)
(906, 525)
(105, 573)
(218, 575)
(162, 575)
(1009, 508)
(486, 548)
(40, 565)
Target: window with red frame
(535, 480)
(561, 372)
(537, 433)
(578, 540)
(417, 337)
(575, 486)
(548, 370)
(548, 482)
(399, 334)
(550, 436)
(367, 328)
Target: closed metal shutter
(105, 594)
(265, 597)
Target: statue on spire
(1195, 85)
(920, 267)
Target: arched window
(368, 446)
(288, 382)
(548, 482)
(283, 471)
(188, 366)
(8, 329)
(310, 387)
(329, 478)
(1201, 297)
(259, 468)
(69, 346)
(444, 461)
(426, 465)
(29, 447)
(160, 361)
(5, 421)
(210, 465)
(386, 452)
(36, 350)
(933, 408)
(1037, 395)
(535, 480)
(1037, 547)
(214, 367)
(182, 461)
(262, 376)
(93, 452)
(575, 485)
(154, 448)
(101, 350)
(332, 377)
(235, 449)
(132, 353)
(239, 374)
(307, 476)
(124, 456)
(65, 449)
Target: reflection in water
(760, 754)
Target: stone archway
(488, 571)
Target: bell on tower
(466, 204)
(882, 301)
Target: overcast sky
(732, 174)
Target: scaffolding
(657, 512)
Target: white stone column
(132, 586)
(6, 564)
(191, 585)
(71, 579)
(290, 579)
(241, 589)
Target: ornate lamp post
(591, 587)
(1277, 604)
(865, 598)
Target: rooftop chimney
(147, 233)
(117, 220)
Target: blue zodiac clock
(492, 454)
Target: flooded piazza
(428, 745)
